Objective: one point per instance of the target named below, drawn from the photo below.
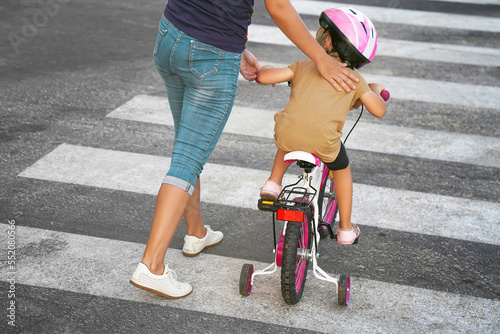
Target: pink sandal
(270, 191)
(348, 236)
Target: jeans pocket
(204, 59)
(162, 30)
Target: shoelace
(172, 275)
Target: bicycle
(308, 209)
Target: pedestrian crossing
(407, 305)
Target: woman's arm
(270, 75)
(288, 20)
(373, 101)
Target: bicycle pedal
(265, 205)
(325, 233)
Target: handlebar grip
(385, 95)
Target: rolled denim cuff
(179, 183)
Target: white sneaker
(165, 285)
(194, 246)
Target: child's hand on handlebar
(380, 90)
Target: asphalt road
(85, 139)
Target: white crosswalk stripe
(406, 17)
(459, 54)
(375, 305)
(479, 2)
(479, 150)
(372, 205)
(432, 91)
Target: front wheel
(296, 252)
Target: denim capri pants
(201, 83)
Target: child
(315, 114)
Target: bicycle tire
(344, 288)
(246, 279)
(293, 266)
(327, 204)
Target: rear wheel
(296, 252)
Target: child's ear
(328, 42)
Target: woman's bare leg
(171, 203)
(192, 214)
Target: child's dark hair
(321, 38)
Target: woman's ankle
(154, 269)
(199, 232)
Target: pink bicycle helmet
(353, 35)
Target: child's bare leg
(279, 167)
(342, 180)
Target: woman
(199, 51)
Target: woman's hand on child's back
(336, 73)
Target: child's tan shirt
(315, 114)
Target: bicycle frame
(311, 180)
(314, 176)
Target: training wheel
(344, 289)
(246, 279)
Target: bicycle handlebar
(385, 95)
